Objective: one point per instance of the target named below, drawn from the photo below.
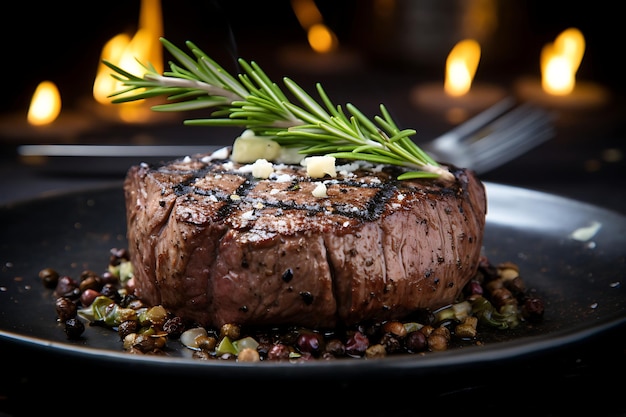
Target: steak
(213, 244)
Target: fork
(484, 142)
(493, 137)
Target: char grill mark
(373, 209)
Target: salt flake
(583, 234)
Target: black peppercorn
(74, 328)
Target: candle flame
(320, 37)
(560, 61)
(104, 83)
(127, 52)
(45, 105)
(461, 67)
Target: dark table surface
(583, 162)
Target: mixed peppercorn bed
(496, 298)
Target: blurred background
(63, 42)
(386, 51)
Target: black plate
(580, 281)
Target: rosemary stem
(443, 173)
(253, 101)
(211, 90)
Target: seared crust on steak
(213, 244)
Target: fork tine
(493, 137)
(445, 146)
(485, 164)
(508, 137)
(506, 144)
(479, 121)
(507, 126)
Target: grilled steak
(213, 244)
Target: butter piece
(320, 166)
(247, 148)
(320, 190)
(262, 168)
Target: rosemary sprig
(253, 101)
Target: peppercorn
(87, 296)
(278, 352)
(310, 342)
(263, 348)
(439, 338)
(127, 327)
(356, 344)
(437, 342)
(67, 287)
(501, 297)
(49, 277)
(86, 273)
(230, 330)
(415, 341)
(108, 278)
(532, 309)
(205, 342)
(467, 328)
(507, 271)
(335, 347)
(375, 351)
(160, 340)
(66, 309)
(74, 328)
(118, 255)
(427, 330)
(395, 327)
(143, 343)
(109, 290)
(92, 282)
(391, 343)
(443, 331)
(174, 326)
(156, 315)
(473, 287)
(248, 355)
(516, 286)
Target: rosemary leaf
(184, 105)
(307, 100)
(251, 100)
